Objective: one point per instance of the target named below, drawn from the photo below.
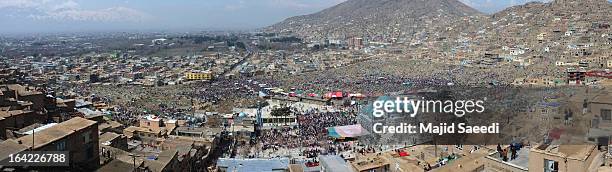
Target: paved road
(234, 69)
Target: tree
(284, 111)
(281, 112)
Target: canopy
(336, 94)
(403, 154)
(357, 95)
(262, 94)
(349, 131)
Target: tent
(335, 94)
(263, 94)
(357, 95)
(403, 154)
(349, 131)
(277, 90)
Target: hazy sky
(130, 15)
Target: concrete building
(333, 163)
(17, 119)
(189, 150)
(147, 136)
(494, 163)
(115, 140)
(199, 75)
(549, 158)
(472, 162)
(79, 136)
(371, 164)
(119, 160)
(152, 130)
(166, 161)
(10, 147)
(601, 107)
(355, 43)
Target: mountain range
(374, 17)
(385, 19)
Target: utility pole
(134, 160)
(300, 135)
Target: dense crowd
(310, 135)
(377, 77)
(231, 89)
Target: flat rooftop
(40, 128)
(108, 136)
(522, 160)
(56, 132)
(580, 152)
(248, 165)
(7, 114)
(10, 147)
(334, 163)
(469, 162)
(370, 163)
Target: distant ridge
(374, 18)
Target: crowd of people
(309, 138)
(378, 77)
(223, 94)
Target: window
(551, 166)
(61, 145)
(606, 114)
(87, 137)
